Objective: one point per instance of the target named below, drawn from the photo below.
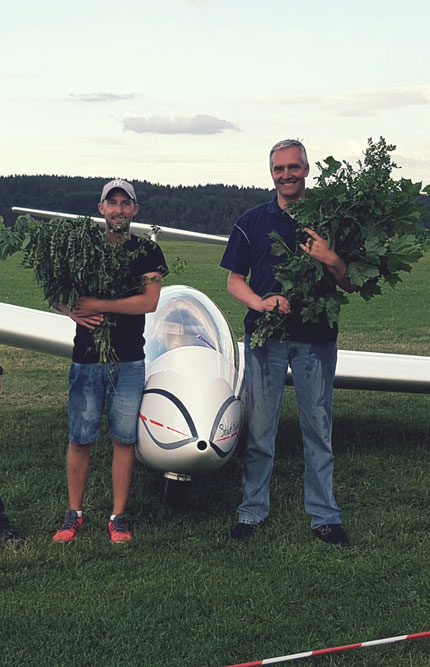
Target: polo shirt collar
(273, 207)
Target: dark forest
(203, 208)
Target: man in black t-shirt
(117, 386)
(310, 351)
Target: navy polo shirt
(249, 252)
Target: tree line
(202, 208)
(211, 208)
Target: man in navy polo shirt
(310, 351)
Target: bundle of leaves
(369, 219)
(72, 259)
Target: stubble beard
(122, 228)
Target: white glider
(52, 333)
(191, 410)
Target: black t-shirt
(249, 252)
(127, 334)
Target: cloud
(201, 124)
(101, 97)
(364, 102)
(422, 163)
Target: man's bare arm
(90, 322)
(239, 288)
(132, 305)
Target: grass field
(180, 594)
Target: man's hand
(90, 321)
(87, 306)
(276, 300)
(239, 288)
(319, 248)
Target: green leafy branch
(370, 220)
(71, 259)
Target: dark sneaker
(10, 539)
(119, 530)
(70, 527)
(243, 531)
(332, 533)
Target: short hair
(288, 143)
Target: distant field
(180, 594)
(396, 321)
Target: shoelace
(120, 524)
(69, 521)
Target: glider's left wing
(170, 233)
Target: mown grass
(180, 594)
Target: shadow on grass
(372, 433)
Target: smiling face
(116, 208)
(289, 169)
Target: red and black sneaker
(71, 525)
(119, 530)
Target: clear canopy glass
(185, 317)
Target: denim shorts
(118, 388)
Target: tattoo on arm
(151, 279)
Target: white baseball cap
(122, 185)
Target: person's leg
(313, 367)
(85, 407)
(122, 474)
(78, 465)
(265, 372)
(123, 399)
(78, 458)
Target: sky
(197, 91)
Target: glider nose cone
(179, 431)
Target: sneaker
(119, 530)
(243, 531)
(70, 527)
(10, 539)
(331, 533)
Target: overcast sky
(197, 91)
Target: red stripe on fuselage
(227, 437)
(169, 428)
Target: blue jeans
(312, 366)
(117, 387)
